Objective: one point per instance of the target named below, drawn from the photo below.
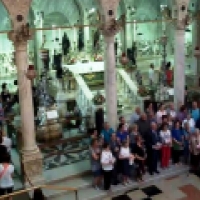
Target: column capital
(18, 11)
(21, 36)
(109, 25)
(181, 15)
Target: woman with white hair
(195, 149)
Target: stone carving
(110, 28)
(181, 14)
(22, 34)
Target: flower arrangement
(124, 60)
(72, 61)
(98, 99)
(98, 58)
(142, 91)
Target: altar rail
(130, 88)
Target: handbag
(4, 171)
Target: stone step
(87, 192)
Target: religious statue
(80, 39)
(65, 44)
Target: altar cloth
(84, 68)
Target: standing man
(153, 148)
(151, 74)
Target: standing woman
(95, 153)
(140, 157)
(107, 162)
(166, 139)
(177, 142)
(6, 172)
(195, 149)
(126, 159)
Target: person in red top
(169, 74)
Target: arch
(4, 18)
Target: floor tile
(191, 191)
(151, 190)
(122, 197)
(137, 195)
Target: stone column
(110, 81)
(181, 22)
(179, 69)
(109, 27)
(196, 43)
(30, 154)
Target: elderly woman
(195, 149)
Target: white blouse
(166, 136)
(106, 159)
(125, 152)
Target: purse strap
(4, 170)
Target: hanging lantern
(31, 72)
(197, 52)
(124, 60)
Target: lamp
(124, 60)
(197, 52)
(31, 72)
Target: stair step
(87, 192)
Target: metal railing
(48, 187)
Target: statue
(80, 39)
(65, 44)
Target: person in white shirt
(6, 172)
(126, 160)
(172, 111)
(5, 141)
(151, 74)
(160, 113)
(166, 139)
(107, 162)
(190, 122)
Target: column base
(32, 167)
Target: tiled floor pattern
(182, 187)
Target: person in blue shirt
(107, 132)
(177, 142)
(195, 111)
(122, 135)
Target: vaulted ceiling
(70, 12)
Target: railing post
(76, 194)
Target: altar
(85, 68)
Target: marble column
(110, 81)
(196, 43)
(181, 22)
(179, 69)
(109, 28)
(31, 157)
(30, 153)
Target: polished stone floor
(180, 187)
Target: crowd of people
(150, 140)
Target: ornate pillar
(109, 28)
(179, 69)
(195, 44)
(30, 154)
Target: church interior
(67, 62)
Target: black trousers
(107, 179)
(153, 156)
(176, 154)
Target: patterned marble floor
(180, 187)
